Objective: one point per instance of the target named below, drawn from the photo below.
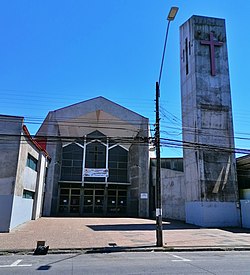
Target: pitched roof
(37, 145)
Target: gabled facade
(99, 160)
(23, 166)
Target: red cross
(211, 43)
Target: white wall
(245, 213)
(38, 202)
(21, 211)
(173, 193)
(213, 214)
(29, 179)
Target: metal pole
(163, 54)
(158, 204)
(158, 212)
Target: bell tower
(207, 124)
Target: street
(224, 262)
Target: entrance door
(117, 202)
(69, 202)
(93, 202)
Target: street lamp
(159, 242)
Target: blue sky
(54, 53)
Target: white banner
(96, 172)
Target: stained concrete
(209, 161)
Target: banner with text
(96, 172)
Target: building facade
(100, 160)
(23, 165)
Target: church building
(99, 160)
(93, 158)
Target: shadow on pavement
(49, 265)
(237, 230)
(140, 227)
(120, 249)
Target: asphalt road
(129, 263)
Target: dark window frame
(95, 158)
(118, 164)
(31, 162)
(95, 155)
(27, 194)
(71, 167)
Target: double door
(116, 202)
(110, 202)
(92, 201)
(69, 201)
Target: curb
(95, 250)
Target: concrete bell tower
(207, 125)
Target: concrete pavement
(100, 234)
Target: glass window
(32, 162)
(118, 164)
(28, 194)
(72, 162)
(95, 158)
(95, 155)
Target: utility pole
(158, 212)
(158, 205)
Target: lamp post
(159, 240)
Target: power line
(164, 142)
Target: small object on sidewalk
(112, 244)
(41, 249)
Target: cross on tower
(211, 43)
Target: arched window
(95, 158)
(71, 169)
(118, 164)
(95, 155)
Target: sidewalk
(64, 234)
